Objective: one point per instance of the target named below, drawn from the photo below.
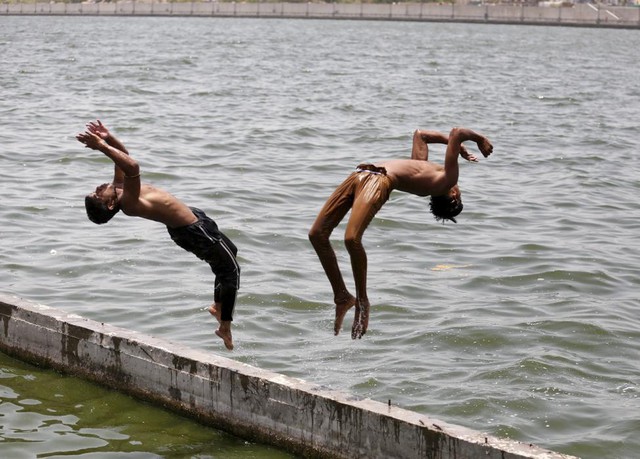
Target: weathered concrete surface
(252, 403)
(578, 15)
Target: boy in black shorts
(189, 227)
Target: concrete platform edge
(255, 404)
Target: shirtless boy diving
(189, 227)
(367, 189)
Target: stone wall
(586, 15)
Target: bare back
(156, 204)
(422, 178)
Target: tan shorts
(364, 192)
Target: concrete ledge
(578, 15)
(246, 401)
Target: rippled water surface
(520, 321)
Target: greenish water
(46, 414)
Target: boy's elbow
(454, 133)
(133, 169)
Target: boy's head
(102, 204)
(447, 206)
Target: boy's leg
(329, 217)
(222, 310)
(369, 200)
(225, 266)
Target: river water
(520, 321)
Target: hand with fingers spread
(466, 155)
(91, 140)
(99, 129)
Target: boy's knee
(316, 236)
(353, 243)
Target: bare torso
(422, 178)
(158, 205)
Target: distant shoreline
(579, 15)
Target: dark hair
(97, 211)
(445, 207)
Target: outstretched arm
(421, 139)
(124, 163)
(99, 129)
(454, 148)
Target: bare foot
(341, 310)
(361, 320)
(224, 330)
(226, 338)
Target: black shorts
(207, 242)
